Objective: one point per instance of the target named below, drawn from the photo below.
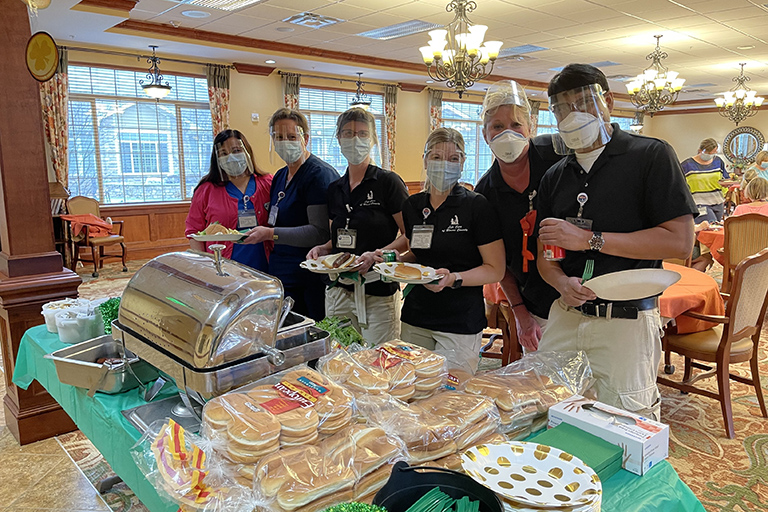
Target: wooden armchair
(734, 341)
(744, 235)
(500, 317)
(81, 205)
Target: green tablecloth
(99, 418)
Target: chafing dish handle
(217, 248)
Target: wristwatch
(457, 282)
(597, 241)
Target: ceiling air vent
(519, 50)
(621, 78)
(406, 28)
(224, 5)
(311, 20)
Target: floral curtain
(54, 96)
(534, 117)
(390, 116)
(435, 109)
(218, 96)
(291, 83)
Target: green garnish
(341, 330)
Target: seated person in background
(701, 257)
(759, 168)
(703, 173)
(757, 192)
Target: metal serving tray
(76, 366)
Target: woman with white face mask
(364, 207)
(455, 231)
(703, 173)
(298, 212)
(234, 194)
(511, 186)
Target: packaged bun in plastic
(474, 416)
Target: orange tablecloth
(714, 239)
(696, 291)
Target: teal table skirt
(99, 418)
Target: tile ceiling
(702, 37)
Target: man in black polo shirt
(620, 201)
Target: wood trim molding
(138, 68)
(253, 69)
(707, 110)
(405, 86)
(120, 8)
(122, 210)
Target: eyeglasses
(348, 134)
(583, 104)
(224, 151)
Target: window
(548, 124)
(322, 107)
(465, 117)
(125, 147)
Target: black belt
(627, 309)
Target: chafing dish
(212, 325)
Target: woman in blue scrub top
(298, 212)
(234, 194)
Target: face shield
(580, 124)
(505, 92)
(286, 139)
(443, 165)
(506, 143)
(233, 158)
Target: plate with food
(218, 233)
(333, 264)
(409, 273)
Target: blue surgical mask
(764, 165)
(443, 175)
(234, 164)
(355, 150)
(706, 157)
(289, 150)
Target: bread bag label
(295, 395)
(313, 385)
(391, 356)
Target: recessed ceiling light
(269, 61)
(748, 47)
(284, 29)
(430, 81)
(195, 14)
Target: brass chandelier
(466, 58)
(657, 86)
(740, 102)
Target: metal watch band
(597, 241)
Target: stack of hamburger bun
(475, 417)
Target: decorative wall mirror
(742, 144)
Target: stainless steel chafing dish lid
(179, 303)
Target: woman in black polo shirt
(365, 208)
(456, 232)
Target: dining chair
(734, 340)
(744, 235)
(81, 205)
(500, 317)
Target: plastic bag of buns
(425, 435)
(475, 416)
(527, 388)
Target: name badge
(580, 222)
(246, 219)
(273, 215)
(346, 238)
(421, 238)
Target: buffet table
(100, 419)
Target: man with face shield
(298, 212)
(618, 201)
(365, 207)
(511, 185)
(234, 194)
(456, 232)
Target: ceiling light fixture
(361, 99)
(740, 102)
(657, 86)
(270, 61)
(637, 122)
(195, 14)
(466, 59)
(155, 88)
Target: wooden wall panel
(169, 225)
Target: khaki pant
(624, 354)
(383, 313)
(460, 350)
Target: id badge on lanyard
(421, 237)
(346, 238)
(274, 209)
(246, 218)
(579, 221)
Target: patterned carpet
(726, 475)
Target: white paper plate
(533, 474)
(633, 284)
(428, 274)
(221, 237)
(317, 266)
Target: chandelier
(657, 86)
(466, 58)
(740, 102)
(637, 122)
(361, 99)
(155, 88)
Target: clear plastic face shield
(443, 166)
(506, 120)
(583, 119)
(288, 140)
(357, 140)
(233, 159)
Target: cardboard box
(645, 442)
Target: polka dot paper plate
(533, 474)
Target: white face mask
(443, 175)
(355, 150)
(579, 130)
(508, 145)
(706, 156)
(233, 164)
(289, 150)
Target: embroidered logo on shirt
(370, 201)
(455, 226)
(455, 220)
